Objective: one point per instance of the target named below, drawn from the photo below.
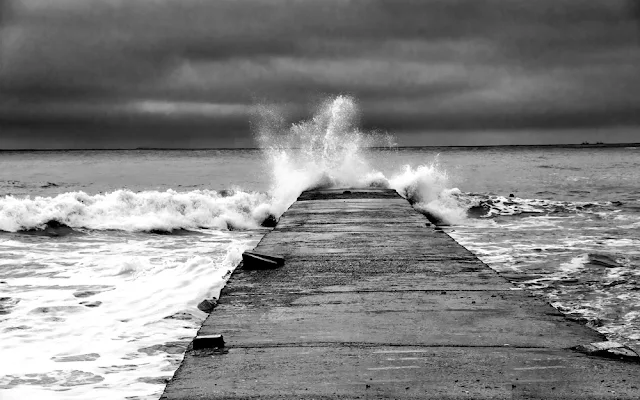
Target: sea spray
(427, 189)
(325, 151)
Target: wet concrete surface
(372, 303)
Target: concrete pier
(372, 303)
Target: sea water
(105, 308)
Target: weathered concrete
(372, 303)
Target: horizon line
(144, 148)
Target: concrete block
(255, 260)
(609, 350)
(208, 342)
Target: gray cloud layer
(162, 70)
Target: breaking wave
(143, 211)
(427, 189)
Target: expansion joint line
(383, 345)
(365, 291)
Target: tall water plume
(325, 151)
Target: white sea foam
(108, 315)
(143, 211)
(326, 151)
(427, 187)
(578, 260)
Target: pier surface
(372, 303)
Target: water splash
(325, 151)
(427, 188)
(330, 151)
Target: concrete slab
(349, 274)
(294, 268)
(419, 237)
(420, 243)
(407, 251)
(402, 318)
(351, 204)
(349, 194)
(337, 282)
(359, 211)
(344, 217)
(305, 244)
(385, 372)
(352, 226)
(253, 282)
(372, 228)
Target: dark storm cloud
(634, 6)
(154, 65)
(4, 10)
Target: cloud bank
(116, 73)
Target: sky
(191, 73)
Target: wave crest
(142, 211)
(427, 189)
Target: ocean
(105, 255)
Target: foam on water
(427, 188)
(143, 211)
(579, 258)
(106, 315)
